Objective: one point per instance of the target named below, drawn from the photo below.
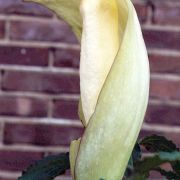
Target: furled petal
(100, 22)
(114, 126)
(114, 84)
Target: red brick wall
(39, 83)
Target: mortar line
(160, 27)
(51, 59)
(161, 128)
(7, 30)
(42, 121)
(33, 148)
(164, 52)
(40, 44)
(40, 95)
(173, 103)
(1, 133)
(165, 76)
(13, 17)
(58, 70)
(50, 108)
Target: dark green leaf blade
(47, 168)
(135, 156)
(157, 143)
(168, 174)
(149, 163)
(176, 167)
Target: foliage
(162, 149)
(47, 168)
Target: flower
(114, 83)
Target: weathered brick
(41, 31)
(162, 39)
(165, 89)
(142, 11)
(65, 109)
(17, 160)
(23, 56)
(169, 135)
(163, 114)
(21, 106)
(20, 7)
(164, 64)
(2, 29)
(44, 135)
(6, 178)
(66, 58)
(41, 82)
(166, 13)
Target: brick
(169, 135)
(163, 114)
(2, 177)
(142, 11)
(67, 58)
(65, 109)
(23, 56)
(162, 39)
(165, 89)
(2, 29)
(40, 82)
(164, 64)
(17, 160)
(24, 8)
(5, 178)
(44, 135)
(41, 31)
(21, 106)
(166, 13)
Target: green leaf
(135, 156)
(176, 167)
(47, 168)
(147, 164)
(168, 174)
(150, 163)
(156, 143)
(173, 156)
(174, 159)
(137, 177)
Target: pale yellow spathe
(114, 75)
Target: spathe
(114, 114)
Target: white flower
(114, 82)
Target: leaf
(137, 177)
(47, 168)
(173, 156)
(135, 156)
(176, 167)
(168, 174)
(157, 143)
(150, 163)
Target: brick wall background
(39, 83)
